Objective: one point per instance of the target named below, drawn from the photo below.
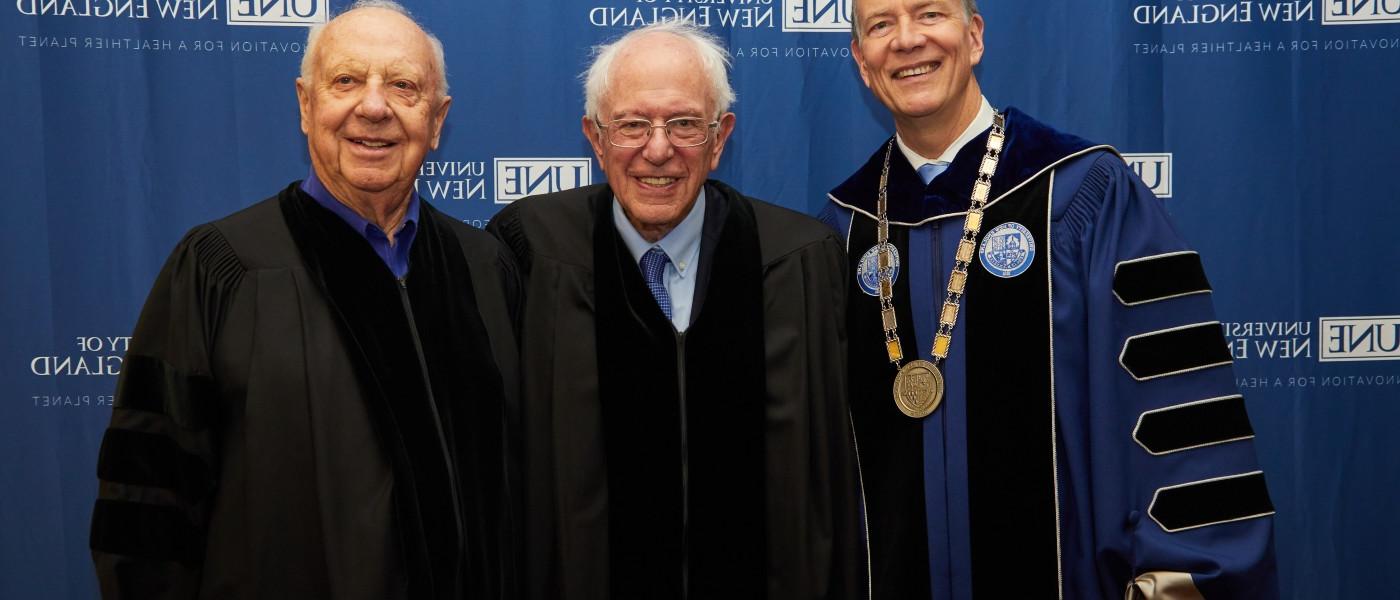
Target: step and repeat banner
(1268, 128)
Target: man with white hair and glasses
(686, 432)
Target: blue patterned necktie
(928, 171)
(653, 268)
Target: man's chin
(654, 202)
(373, 181)
(917, 109)
(653, 214)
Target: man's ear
(975, 28)
(860, 62)
(726, 127)
(595, 137)
(304, 103)
(439, 119)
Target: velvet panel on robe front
(422, 346)
(683, 417)
(1011, 482)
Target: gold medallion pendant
(918, 389)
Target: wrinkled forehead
(658, 63)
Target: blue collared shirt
(681, 245)
(394, 255)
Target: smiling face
(370, 107)
(658, 77)
(916, 56)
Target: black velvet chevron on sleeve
(1172, 351)
(1159, 277)
(1194, 425)
(1211, 502)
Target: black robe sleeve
(814, 478)
(158, 466)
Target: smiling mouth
(368, 143)
(914, 71)
(658, 181)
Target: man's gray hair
(714, 60)
(439, 61)
(969, 9)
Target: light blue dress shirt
(681, 245)
(980, 123)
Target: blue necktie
(653, 268)
(928, 171)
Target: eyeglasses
(683, 132)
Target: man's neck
(654, 233)
(386, 209)
(931, 135)
(651, 233)
(688, 227)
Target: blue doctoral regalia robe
(1092, 442)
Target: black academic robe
(294, 422)
(717, 463)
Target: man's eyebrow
(923, 5)
(406, 67)
(346, 64)
(880, 13)
(886, 12)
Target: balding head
(313, 36)
(372, 105)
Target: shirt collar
(681, 245)
(979, 123)
(313, 187)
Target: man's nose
(374, 104)
(658, 148)
(907, 35)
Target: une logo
(817, 15)
(517, 178)
(1359, 338)
(1360, 12)
(277, 13)
(1155, 170)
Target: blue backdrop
(1268, 127)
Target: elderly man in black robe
(686, 430)
(316, 398)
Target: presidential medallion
(918, 389)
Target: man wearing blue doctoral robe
(1092, 442)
